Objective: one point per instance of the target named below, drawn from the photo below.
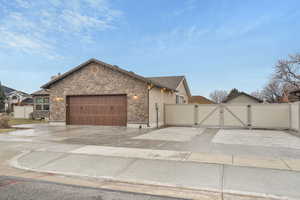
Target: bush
(4, 121)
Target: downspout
(149, 87)
(148, 124)
(156, 108)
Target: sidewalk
(141, 166)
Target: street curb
(213, 194)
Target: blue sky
(216, 44)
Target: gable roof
(112, 67)
(230, 97)
(7, 90)
(171, 81)
(40, 92)
(27, 100)
(200, 100)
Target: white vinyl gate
(275, 116)
(22, 111)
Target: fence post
(290, 116)
(221, 112)
(299, 117)
(196, 113)
(249, 116)
(165, 117)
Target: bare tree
(258, 94)
(218, 96)
(287, 71)
(273, 91)
(285, 78)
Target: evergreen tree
(233, 93)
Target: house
(236, 96)
(294, 95)
(200, 100)
(41, 106)
(97, 93)
(15, 97)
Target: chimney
(55, 76)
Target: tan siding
(243, 99)
(182, 91)
(156, 96)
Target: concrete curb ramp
(213, 181)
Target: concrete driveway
(217, 163)
(263, 143)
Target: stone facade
(40, 114)
(96, 79)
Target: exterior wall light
(59, 99)
(135, 97)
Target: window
(14, 97)
(38, 107)
(42, 103)
(179, 99)
(46, 107)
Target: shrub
(4, 121)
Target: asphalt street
(12, 188)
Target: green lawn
(25, 121)
(7, 130)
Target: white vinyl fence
(275, 116)
(22, 111)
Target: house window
(42, 103)
(179, 99)
(38, 107)
(182, 100)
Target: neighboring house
(96, 93)
(236, 96)
(200, 100)
(294, 95)
(15, 97)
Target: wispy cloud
(33, 26)
(236, 29)
(195, 35)
(177, 38)
(189, 5)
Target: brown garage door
(108, 110)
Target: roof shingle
(168, 81)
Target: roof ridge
(113, 67)
(164, 76)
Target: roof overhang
(112, 67)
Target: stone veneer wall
(39, 114)
(96, 79)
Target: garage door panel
(110, 110)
